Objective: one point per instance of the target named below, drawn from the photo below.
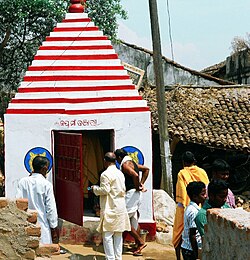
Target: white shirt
(39, 193)
(189, 217)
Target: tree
(24, 24)
(239, 44)
(104, 13)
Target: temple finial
(77, 6)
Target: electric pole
(166, 181)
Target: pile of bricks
(20, 233)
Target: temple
(75, 103)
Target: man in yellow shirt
(189, 173)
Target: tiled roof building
(218, 116)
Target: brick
(22, 204)
(30, 254)
(3, 202)
(48, 250)
(32, 216)
(33, 231)
(33, 243)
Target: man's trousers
(112, 243)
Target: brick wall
(227, 235)
(20, 233)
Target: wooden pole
(166, 166)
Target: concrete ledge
(227, 234)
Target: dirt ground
(153, 251)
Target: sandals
(137, 252)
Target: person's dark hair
(220, 165)
(39, 162)
(188, 158)
(216, 186)
(195, 188)
(109, 157)
(120, 153)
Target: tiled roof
(215, 116)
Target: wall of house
(173, 74)
(238, 68)
(227, 234)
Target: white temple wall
(24, 132)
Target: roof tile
(214, 116)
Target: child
(191, 239)
(220, 171)
(217, 196)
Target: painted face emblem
(32, 153)
(134, 153)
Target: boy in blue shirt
(217, 196)
(191, 239)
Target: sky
(201, 30)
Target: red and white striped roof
(76, 71)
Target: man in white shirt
(40, 195)
(113, 216)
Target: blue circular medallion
(32, 153)
(134, 153)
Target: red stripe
(77, 112)
(93, 38)
(78, 57)
(97, 47)
(74, 29)
(73, 89)
(73, 100)
(51, 68)
(84, 20)
(73, 78)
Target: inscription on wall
(77, 122)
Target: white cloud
(187, 54)
(130, 36)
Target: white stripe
(76, 72)
(77, 43)
(77, 34)
(75, 24)
(74, 52)
(91, 105)
(76, 15)
(76, 83)
(115, 62)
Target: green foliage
(104, 13)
